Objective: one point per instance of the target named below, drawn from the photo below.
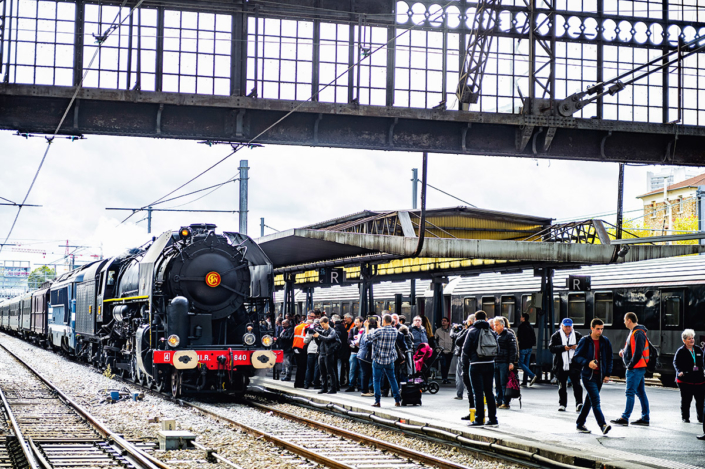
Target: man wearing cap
(563, 344)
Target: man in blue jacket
(481, 369)
(594, 356)
(635, 355)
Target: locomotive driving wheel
(175, 383)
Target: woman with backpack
(480, 349)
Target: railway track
(52, 431)
(327, 445)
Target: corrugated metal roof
(359, 217)
(657, 272)
(383, 290)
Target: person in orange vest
(300, 350)
(635, 355)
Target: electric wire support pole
(414, 187)
(620, 201)
(243, 196)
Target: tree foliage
(40, 275)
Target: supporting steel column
(289, 304)
(261, 227)
(238, 53)
(362, 287)
(351, 60)
(243, 196)
(544, 318)
(600, 58)
(316, 64)
(3, 22)
(149, 220)
(392, 63)
(371, 297)
(620, 200)
(398, 300)
(160, 50)
(438, 303)
(309, 299)
(78, 43)
(665, 92)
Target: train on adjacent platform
(668, 296)
(185, 312)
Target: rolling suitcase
(410, 394)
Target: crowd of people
(374, 356)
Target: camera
(456, 327)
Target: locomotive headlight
(249, 339)
(173, 340)
(267, 340)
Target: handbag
(513, 391)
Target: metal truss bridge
(226, 70)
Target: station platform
(667, 443)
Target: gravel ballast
(131, 418)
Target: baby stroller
(425, 377)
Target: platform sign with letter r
(578, 283)
(329, 276)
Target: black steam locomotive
(184, 312)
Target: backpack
(487, 344)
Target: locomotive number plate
(209, 358)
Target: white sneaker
(561, 408)
(533, 380)
(578, 407)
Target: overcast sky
(289, 186)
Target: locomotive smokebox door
(264, 359)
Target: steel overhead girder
(38, 109)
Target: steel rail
(379, 444)
(303, 452)
(139, 456)
(29, 455)
(489, 449)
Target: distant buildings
(13, 278)
(679, 210)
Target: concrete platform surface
(667, 442)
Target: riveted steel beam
(34, 108)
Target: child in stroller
(424, 371)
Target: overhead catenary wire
(216, 187)
(296, 108)
(449, 195)
(113, 26)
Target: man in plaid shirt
(384, 354)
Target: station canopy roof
(457, 240)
